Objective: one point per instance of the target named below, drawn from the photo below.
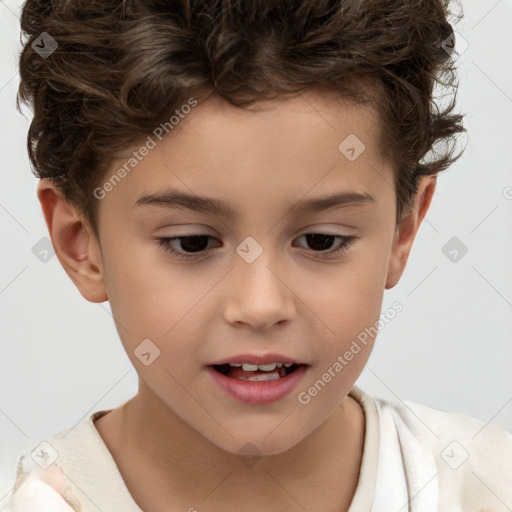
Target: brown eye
(192, 246)
(322, 242)
(189, 244)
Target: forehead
(272, 150)
(284, 122)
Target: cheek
(348, 297)
(134, 288)
(157, 301)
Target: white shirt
(415, 459)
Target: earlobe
(74, 243)
(408, 228)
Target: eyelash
(166, 245)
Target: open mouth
(257, 384)
(251, 372)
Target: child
(260, 128)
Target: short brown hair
(122, 66)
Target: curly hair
(122, 66)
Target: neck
(165, 461)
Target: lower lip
(257, 392)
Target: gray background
(450, 348)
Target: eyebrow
(177, 199)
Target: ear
(406, 232)
(74, 242)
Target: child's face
(224, 302)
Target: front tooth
(246, 367)
(261, 377)
(237, 365)
(268, 376)
(267, 367)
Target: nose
(259, 294)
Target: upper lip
(256, 359)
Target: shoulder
(39, 488)
(471, 459)
(43, 482)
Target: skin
(177, 441)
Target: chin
(257, 445)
